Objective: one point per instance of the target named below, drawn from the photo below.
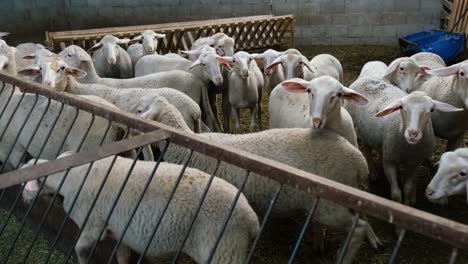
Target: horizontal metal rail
(405, 217)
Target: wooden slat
(248, 32)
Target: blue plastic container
(446, 45)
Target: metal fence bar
(140, 199)
(262, 226)
(304, 229)
(397, 247)
(153, 234)
(197, 211)
(344, 248)
(8, 101)
(228, 217)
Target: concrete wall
(318, 21)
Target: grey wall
(318, 21)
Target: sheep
(234, 245)
(7, 58)
(245, 88)
(274, 75)
(326, 64)
(222, 43)
(322, 153)
(430, 60)
(373, 70)
(110, 59)
(23, 50)
(137, 100)
(319, 106)
(450, 178)
(294, 64)
(37, 106)
(447, 84)
(403, 142)
(185, 82)
(149, 45)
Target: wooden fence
(252, 33)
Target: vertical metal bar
(114, 204)
(348, 239)
(8, 101)
(45, 215)
(145, 189)
(10, 213)
(401, 236)
(153, 234)
(228, 217)
(19, 134)
(11, 117)
(200, 204)
(453, 256)
(262, 227)
(304, 229)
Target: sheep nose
(219, 80)
(47, 83)
(111, 61)
(150, 50)
(429, 191)
(316, 122)
(268, 72)
(413, 133)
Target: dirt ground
(278, 241)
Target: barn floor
(279, 237)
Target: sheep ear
(191, 52)
(4, 34)
(195, 63)
(444, 107)
(447, 71)
(392, 68)
(296, 85)
(136, 39)
(84, 57)
(160, 35)
(354, 97)
(256, 56)
(389, 109)
(32, 70)
(424, 69)
(66, 154)
(225, 59)
(308, 66)
(95, 47)
(273, 64)
(77, 73)
(123, 41)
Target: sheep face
(149, 39)
(7, 55)
(404, 72)
(450, 178)
(293, 63)
(211, 63)
(110, 48)
(73, 56)
(224, 46)
(325, 94)
(415, 110)
(460, 73)
(32, 188)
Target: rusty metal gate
(45, 217)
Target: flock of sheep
(315, 123)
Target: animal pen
(50, 220)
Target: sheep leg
(390, 171)
(367, 152)
(235, 114)
(253, 115)
(214, 107)
(259, 103)
(82, 248)
(226, 110)
(454, 143)
(409, 189)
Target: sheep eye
(401, 68)
(432, 109)
(203, 64)
(308, 90)
(139, 111)
(69, 55)
(339, 94)
(462, 74)
(463, 174)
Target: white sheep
(7, 58)
(323, 153)
(23, 50)
(451, 176)
(373, 69)
(234, 245)
(59, 130)
(148, 46)
(245, 88)
(110, 59)
(404, 141)
(318, 105)
(294, 64)
(185, 82)
(137, 100)
(430, 60)
(222, 43)
(447, 84)
(274, 75)
(326, 64)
